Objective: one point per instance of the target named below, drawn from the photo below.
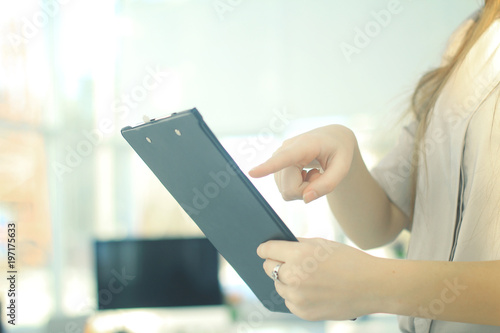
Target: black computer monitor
(156, 273)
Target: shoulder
(456, 40)
(485, 53)
(477, 76)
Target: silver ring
(275, 272)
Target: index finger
(295, 155)
(277, 162)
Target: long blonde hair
(431, 84)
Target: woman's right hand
(312, 164)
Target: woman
(441, 182)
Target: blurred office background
(74, 72)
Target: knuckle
(276, 152)
(302, 313)
(287, 142)
(310, 315)
(328, 188)
(288, 194)
(298, 253)
(281, 291)
(297, 299)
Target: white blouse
(457, 208)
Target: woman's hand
(321, 279)
(326, 151)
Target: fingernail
(310, 196)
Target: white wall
(258, 55)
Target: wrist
(385, 295)
(356, 164)
(401, 285)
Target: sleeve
(393, 172)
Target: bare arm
(363, 209)
(452, 291)
(336, 169)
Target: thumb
(322, 184)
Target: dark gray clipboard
(193, 166)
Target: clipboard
(190, 162)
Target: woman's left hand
(321, 279)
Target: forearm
(362, 208)
(450, 291)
